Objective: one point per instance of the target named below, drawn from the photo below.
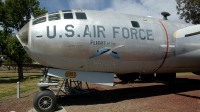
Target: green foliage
(12, 48)
(19, 11)
(189, 10)
(14, 14)
(15, 50)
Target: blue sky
(52, 5)
(135, 7)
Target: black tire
(130, 77)
(36, 94)
(45, 101)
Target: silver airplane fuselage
(99, 41)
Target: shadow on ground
(117, 95)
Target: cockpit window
(39, 20)
(135, 24)
(80, 15)
(68, 16)
(54, 17)
(66, 10)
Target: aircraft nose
(23, 35)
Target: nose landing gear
(46, 99)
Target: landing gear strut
(46, 99)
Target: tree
(14, 14)
(189, 10)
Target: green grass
(8, 83)
(14, 91)
(184, 73)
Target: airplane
(93, 46)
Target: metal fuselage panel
(183, 54)
(107, 42)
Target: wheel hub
(45, 102)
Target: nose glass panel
(22, 35)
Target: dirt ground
(182, 95)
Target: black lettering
(114, 32)
(104, 42)
(127, 31)
(54, 32)
(94, 29)
(72, 31)
(100, 42)
(87, 31)
(133, 32)
(140, 34)
(97, 42)
(149, 35)
(100, 31)
(91, 42)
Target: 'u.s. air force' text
(98, 31)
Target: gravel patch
(182, 95)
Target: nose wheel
(45, 101)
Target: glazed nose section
(23, 35)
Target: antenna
(165, 14)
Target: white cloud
(146, 8)
(86, 4)
(135, 7)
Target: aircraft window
(80, 15)
(68, 16)
(54, 17)
(39, 20)
(135, 24)
(66, 10)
